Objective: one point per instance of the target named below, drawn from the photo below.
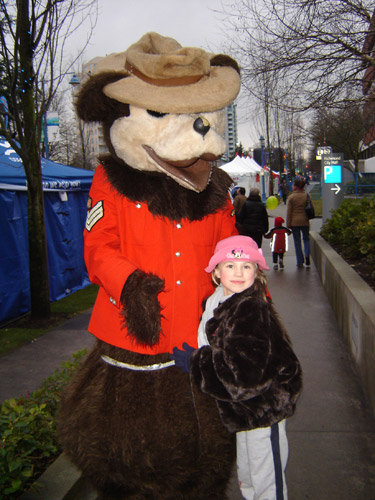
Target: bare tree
(342, 129)
(314, 49)
(33, 36)
(369, 87)
(65, 148)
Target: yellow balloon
(272, 202)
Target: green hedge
(351, 229)
(28, 432)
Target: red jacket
(279, 235)
(122, 236)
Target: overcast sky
(191, 22)
(123, 22)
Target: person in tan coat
(297, 221)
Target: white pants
(262, 455)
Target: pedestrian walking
(239, 199)
(279, 242)
(238, 203)
(298, 222)
(284, 190)
(253, 218)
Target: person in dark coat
(253, 218)
(284, 190)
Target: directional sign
(323, 150)
(332, 174)
(336, 189)
(332, 192)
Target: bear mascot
(133, 422)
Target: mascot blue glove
(182, 357)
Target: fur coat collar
(249, 367)
(164, 196)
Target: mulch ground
(361, 267)
(41, 323)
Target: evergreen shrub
(28, 432)
(351, 231)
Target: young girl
(246, 362)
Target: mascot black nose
(202, 126)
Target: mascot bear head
(162, 108)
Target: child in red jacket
(279, 243)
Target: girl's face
(235, 276)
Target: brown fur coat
(249, 368)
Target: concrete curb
(353, 302)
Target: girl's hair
(259, 285)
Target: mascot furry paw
(131, 421)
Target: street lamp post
(74, 80)
(45, 132)
(45, 128)
(262, 142)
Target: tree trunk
(38, 258)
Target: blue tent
(65, 201)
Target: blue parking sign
(332, 174)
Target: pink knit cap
(237, 248)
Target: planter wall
(353, 302)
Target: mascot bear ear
(93, 105)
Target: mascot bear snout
(169, 143)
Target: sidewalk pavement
(24, 369)
(332, 434)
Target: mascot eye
(156, 113)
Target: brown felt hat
(161, 75)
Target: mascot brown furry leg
(145, 435)
(135, 424)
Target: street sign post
(323, 150)
(332, 183)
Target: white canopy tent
(246, 173)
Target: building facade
(230, 131)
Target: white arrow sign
(337, 189)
